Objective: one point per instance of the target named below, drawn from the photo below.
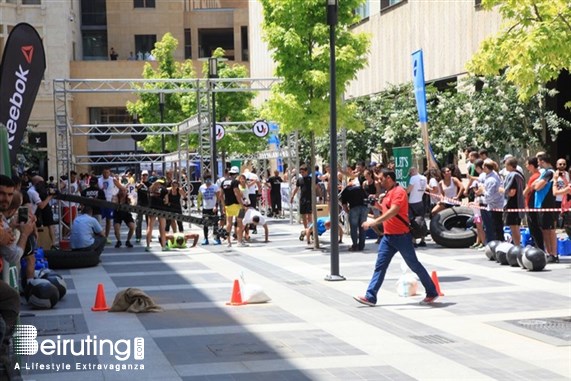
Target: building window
(145, 43)
(210, 39)
(389, 3)
(107, 115)
(245, 50)
(187, 44)
(31, 2)
(94, 44)
(478, 3)
(93, 12)
(144, 3)
(363, 10)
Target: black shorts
(416, 209)
(122, 216)
(548, 220)
(512, 218)
(304, 207)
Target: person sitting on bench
(86, 233)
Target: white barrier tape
(473, 205)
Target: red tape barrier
(474, 205)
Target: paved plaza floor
(493, 323)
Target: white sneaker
(243, 244)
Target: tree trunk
(313, 191)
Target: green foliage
(235, 107)
(178, 106)
(534, 43)
(492, 118)
(230, 106)
(298, 36)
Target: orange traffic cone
(236, 299)
(436, 284)
(100, 303)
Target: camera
(23, 214)
(370, 201)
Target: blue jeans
(358, 215)
(389, 245)
(493, 225)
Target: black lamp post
(332, 7)
(136, 121)
(213, 73)
(162, 111)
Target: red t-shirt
(394, 225)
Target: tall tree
(231, 106)
(298, 36)
(534, 44)
(177, 107)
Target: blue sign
(419, 86)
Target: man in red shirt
(397, 237)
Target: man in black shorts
(303, 185)
(123, 216)
(513, 198)
(544, 198)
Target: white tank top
(451, 190)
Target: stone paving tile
(247, 346)
(70, 300)
(141, 267)
(215, 317)
(504, 302)
(174, 279)
(378, 373)
(190, 295)
(132, 256)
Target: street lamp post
(332, 6)
(137, 167)
(213, 73)
(162, 111)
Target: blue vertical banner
(420, 95)
(419, 86)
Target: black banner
(21, 73)
(38, 139)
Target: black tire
(448, 228)
(61, 259)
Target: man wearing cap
(93, 191)
(233, 205)
(504, 172)
(209, 195)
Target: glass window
(245, 51)
(145, 43)
(210, 39)
(93, 12)
(187, 44)
(144, 3)
(389, 3)
(94, 44)
(31, 2)
(364, 10)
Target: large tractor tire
(448, 228)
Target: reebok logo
(16, 101)
(28, 52)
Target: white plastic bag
(407, 284)
(253, 293)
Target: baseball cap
(144, 172)
(234, 170)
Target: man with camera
(11, 248)
(397, 237)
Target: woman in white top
(451, 189)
